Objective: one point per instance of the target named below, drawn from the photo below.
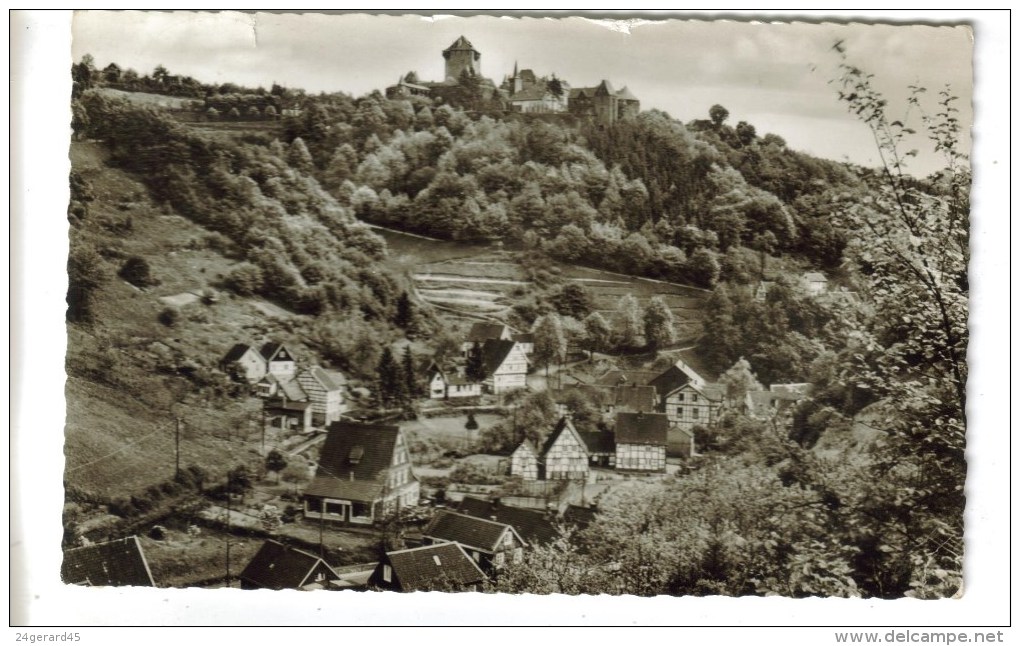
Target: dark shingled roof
(482, 332)
(599, 441)
(531, 524)
(460, 43)
(271, 349)
(236, 352)
(339, 477)
(119, 562)
(476, 533)
(494, 353)
(433, 567)
(279, 567)
(641, 428)
(635, 399)
(669, 380)
(605, 87)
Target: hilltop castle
(522, 91)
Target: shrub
(135, 270)
(170, 316)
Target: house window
(387, 573)
(680, 397)
(694, 413)
(518, 555)
(335, 508)
(499, 559)
(694, 398)
(508, 540)
(361, 510)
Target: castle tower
(460, 56)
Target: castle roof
(460, 44)
(626, 94)
(605, 87)
(531, 93)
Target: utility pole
(228, 529)
(177, 448)
(322, 513)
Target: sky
(774, 75)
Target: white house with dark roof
(280, 567)
(641, 440)
(506, 366)
(280, 361)
(692, 405)
(451, 383)
(443, 567)
(245, 359)
(487, 542)
(364, 472)
(565, 454)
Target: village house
(288, 415)
(113, 563)
(364, 473)
(601, 447)
(488, 543)
(279, 360)
(325, 391)
(641, 440)
(679, 442)
(536, 99)
(815, 282)
(524, 461)
(785, 397)
(564, 455)
(693, 405)
(451, 383)
(534, 526)
(279, 567)
(505, 366)
(286, 387)
(245, 361)
(443, 567)
(481, 332)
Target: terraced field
(475, 281)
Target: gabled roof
(669, 380)
(494, 353)
(635, 398)
(328, 379)
(293, 390)
(434, 567)
(533, 525)
(642, 428)
(119, 562)
(626, 94)
(526, 444)
(711, 392)
(236, 352)
(598, 441)
(460, 43)
(364, 479)
(563, 426)
(482, 332)
(270, 351)
(477, 533)
(576, 92)
(605, 87)
(279, 567)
